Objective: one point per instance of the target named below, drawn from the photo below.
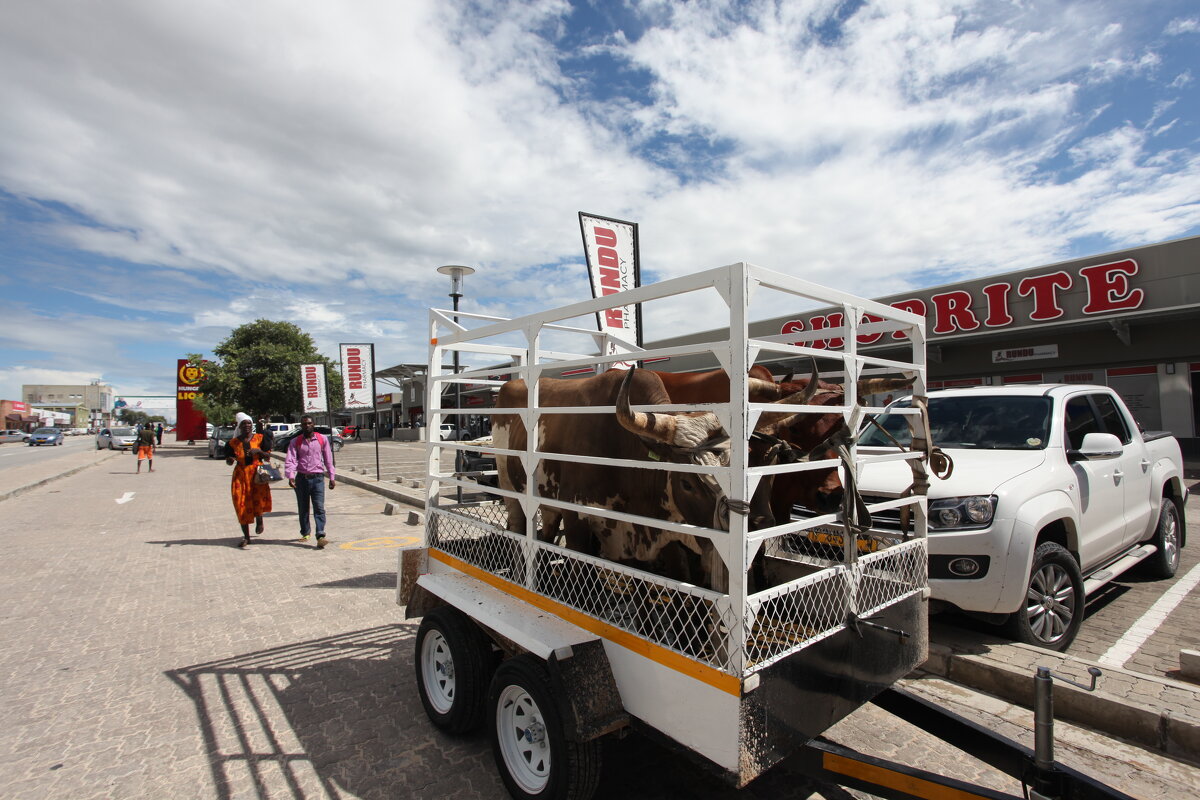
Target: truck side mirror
(1096, 447)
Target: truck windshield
(986, 422)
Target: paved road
(15, 454)
(148, 657)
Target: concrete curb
(1157, 713)
(26, 487)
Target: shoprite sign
(1094, 290)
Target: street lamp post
(457, 272)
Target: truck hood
(975, 472)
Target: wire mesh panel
(890, 575)
(788, 618)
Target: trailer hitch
(1048, 784)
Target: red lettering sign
(1045, 295)
(1108, 287)
(997, 297)
(915, 306)
(952, 311)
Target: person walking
(145, 448)
(158, 431)
(250, 500)
(264, 427)
(308, 464)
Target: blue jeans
(311, 489)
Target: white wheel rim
(522, 736)
(437, 671)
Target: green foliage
(131, 417)
(258, 372)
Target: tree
(258, 372)
(131, 417)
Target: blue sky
(170, 171)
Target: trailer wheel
(1165, 560)
(534, 756)
(1052, 611)
(453, 661)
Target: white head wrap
(242, 417)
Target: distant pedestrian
(264, 427)
(145, 448)
(308, 464)
(250, 500)
(158, 432)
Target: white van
(279, 428)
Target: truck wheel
(532, 752)
(1165, 560)
(1053, 608)
(453, 662)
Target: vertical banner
(611, 249)
(312, 386)
(358, 376)
(190, 424)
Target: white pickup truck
(1055, 491)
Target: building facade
(96, 400)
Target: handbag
(267, 474)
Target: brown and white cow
(684, 437)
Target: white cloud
(315, 165)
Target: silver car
(13, 436)
(116, 438)
(217, 440)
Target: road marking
(381, 543)
(1148, 623)
(125, 498)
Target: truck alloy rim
(1050, 603)
(1170, 539)
(437, 671)
(522, 737)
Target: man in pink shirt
(309, 462)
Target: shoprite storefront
(1129, 320)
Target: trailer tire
(453, 664)
(1168, 539)
(535, 757)
(1052, 609)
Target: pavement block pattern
(146, 656)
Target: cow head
(692, 437)
(815, 436)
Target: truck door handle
(1117, 475)
(1145, 462)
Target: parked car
(116, 438)
(282, 440)
(475, 461)
(14, 436)
(218, 438)
(349, 431)
(1055, 492)
(46, 436)
(280, 428)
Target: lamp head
(456, 273)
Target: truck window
(1111, 417)
(1081, 420)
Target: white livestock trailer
(555, 648)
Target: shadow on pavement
(232, 541)
(376, 580)
(340, 716)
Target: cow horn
(659, 427)
(763, 389)
(868, 386)
(788, 378)
(773, 421)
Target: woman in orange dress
(250, 500)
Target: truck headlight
(962, 512)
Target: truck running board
(1118, 567)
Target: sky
(169, 171)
